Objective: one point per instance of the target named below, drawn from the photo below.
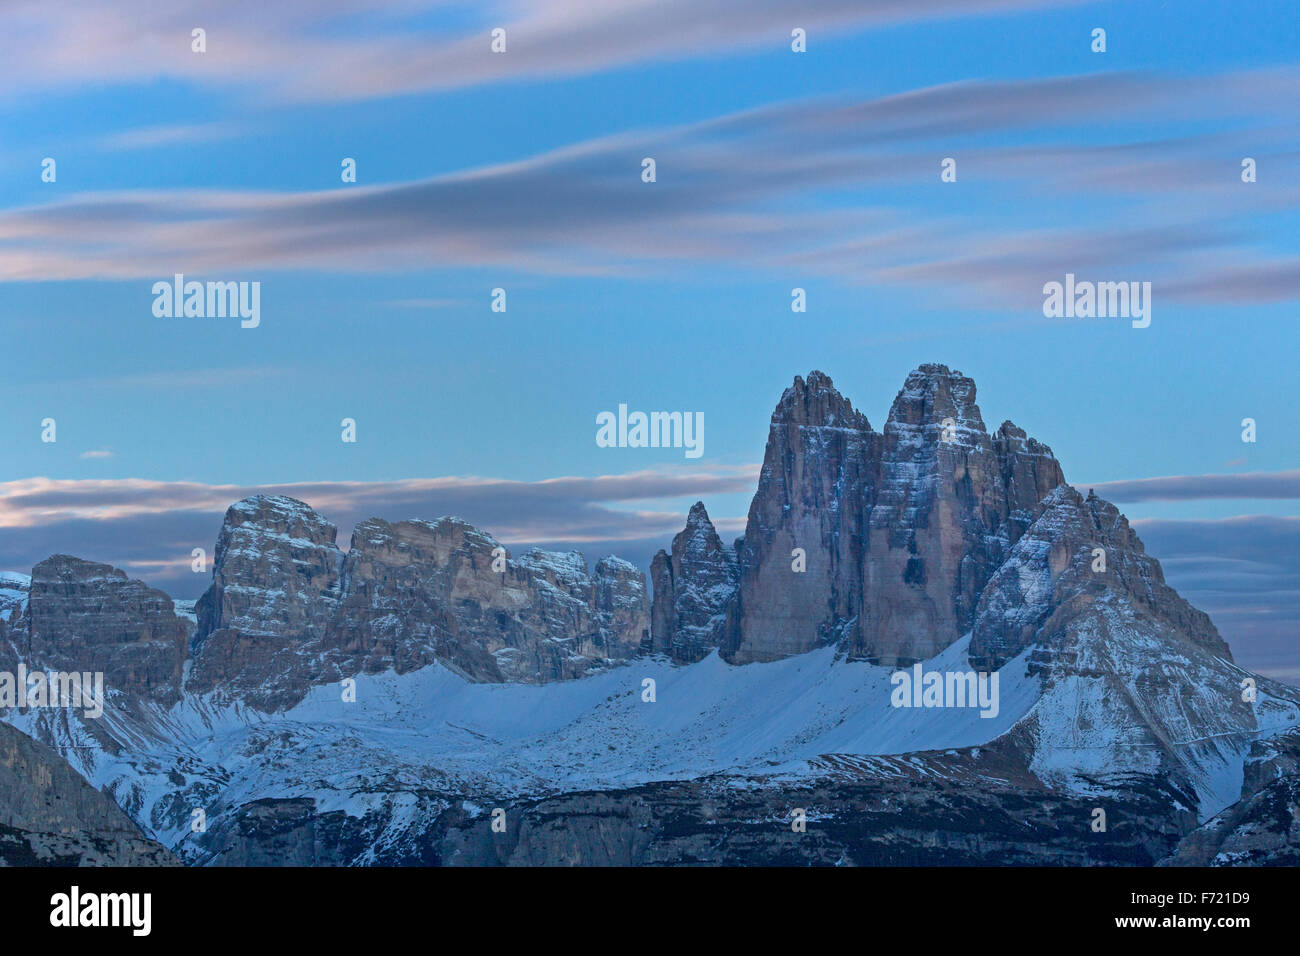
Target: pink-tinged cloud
(329, 50)
(583, 210)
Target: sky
(522, 171)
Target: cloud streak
(331, 51)
(745, 190)
(1245, 572)
(1260, 485)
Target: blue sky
(522, 170)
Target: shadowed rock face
(692, 588)
(970, 807)
(88, 617)
(1261, 829)
(287, 609)
(901, 530)
(50, 816)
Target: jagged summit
(933, 542)
(816, 403)
(931, 396)
(899, 531)
(288, 609)
(85, 616)
(692, 586)
(284, 514)
(1077, 552)
(282, 503)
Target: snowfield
(433, 730)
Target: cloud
(1262, 485)
(1245, 573)
(177, 134)
(749, 190)
(1271, 280)
(148, 526)
(332, 50)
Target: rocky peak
(931, 394)
(899, 532)
(287, 609)
(816, 403)
(84, 616)
(621, 606)
(699, 535)
(1029, 472)
(1132, 678)
(692, 589)
(565, 570)
(1077, 552)
(821, 458)
(417, 591)
(280, 515)
(275, 572)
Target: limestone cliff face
(275, 571)
(50, 816)
(899, 531)
(287, 609)
(87, 617)
(1132, 678)
(417, 591)
(939, 519)
(692, 588)
(621, 606)
(275, 586)
(818, 470)
(1079, 551)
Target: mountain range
(427, 698)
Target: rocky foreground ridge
(518, 683)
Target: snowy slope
(432, 729)
(14, 588)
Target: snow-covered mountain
(427, 698)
